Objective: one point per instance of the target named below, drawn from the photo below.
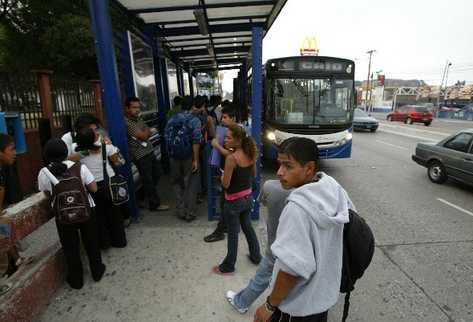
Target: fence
(19, 93)
(48, 104)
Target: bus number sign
(320, 66)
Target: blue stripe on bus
(344, 151)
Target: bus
(312, 97)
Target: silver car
(450, 158)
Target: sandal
(216, 270)
(4, 288)
(24, 261)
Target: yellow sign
(309, 47)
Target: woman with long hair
(240, 168)
(55, 154)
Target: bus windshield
(310, 101)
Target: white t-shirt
(67, 138)
(94, 162)
(44, 184)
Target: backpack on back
(70, 199)
(358, 250)
(178, 136)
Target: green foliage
(53, 34)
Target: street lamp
(446, 80)
(445, 73)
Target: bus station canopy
(206, 34)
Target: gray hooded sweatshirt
(309, 245)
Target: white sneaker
(230, 296)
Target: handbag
(117, 185)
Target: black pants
(148, 167)
(279, 316)
(203, 156)
(70, 241)
(111, 231)
(221, 225)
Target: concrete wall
(33, 284)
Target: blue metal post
(164, 77)
(180, 80)
(244, 83)
(191, 85)
(102, 29)
(163, 106)
(125, 64)
(257, 106)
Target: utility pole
(446, 80)
(368, 87)
(370, 105)
(447, 64)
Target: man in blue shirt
(185, 172)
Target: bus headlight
(271, 136)
(345, 140)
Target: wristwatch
(271, 308)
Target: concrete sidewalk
(163, 275)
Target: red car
(410, 114)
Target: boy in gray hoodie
(308, 246)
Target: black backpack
(358, 250)
(70, 199)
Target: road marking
(414, 129)
(393, 145)
(407, 135)
(455, 206)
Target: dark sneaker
(190, 218)
(159, 208)
(254, 261)
(99, 274)
(213, 237)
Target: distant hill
(397, 83)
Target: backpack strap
(104, 162)
(75, 170)
(346, 306)
(346, 264)
(50, 176)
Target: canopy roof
(207, 34)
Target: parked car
(450, 158)
(363, 121)
(410, 114)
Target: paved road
(423, 267)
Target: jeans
(186, 185)
(148, 167)
(256, 286)
(237, 213)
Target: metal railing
(19, 93)
(71, 98)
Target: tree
(54, 34)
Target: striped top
(138, 149)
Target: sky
(413, 39)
